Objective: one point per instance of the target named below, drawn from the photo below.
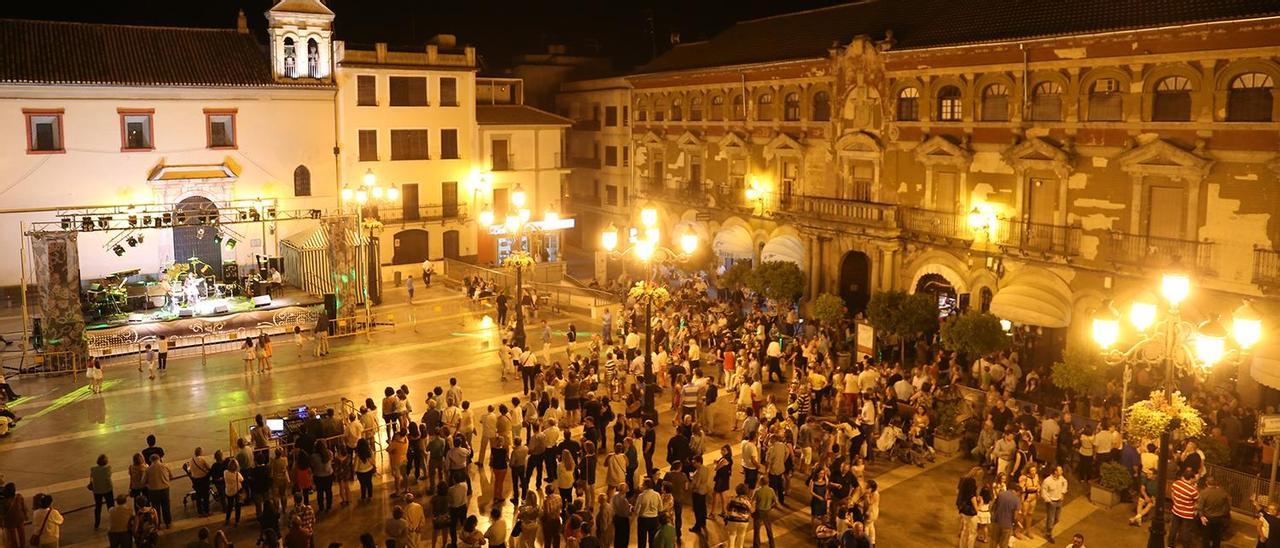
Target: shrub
(974, 334)
(779, 281)
(828, 309)
(1114, 477)
(1080, 372)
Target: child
(264, 353)
(94, 372)
(984, 513)
(249, 355)
(150, 356)
(298, 339)
(164, 352)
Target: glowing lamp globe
(648, 217)
(1246, 326)
(609, 238)
(1142, 313)
(1106, 328)
(688, 243)
(486, 218)
(1175, 287)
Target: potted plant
(950, 429)
(1114, 481)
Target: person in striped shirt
(1184, 495)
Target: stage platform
(213, 320)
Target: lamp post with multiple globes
(1165, 339)
(368, 192)
(519, 226)
(647, 248)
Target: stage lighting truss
(125, 220)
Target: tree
(1079, 372)
(974, 334)
(779, 281)
(903, 315)
(828, 309)
(736, 275)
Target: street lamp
(367, 191)
(520, 227)
(1179, 346)
(648, 249)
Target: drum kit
(192, 282)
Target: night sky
(499, 30)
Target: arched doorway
(195, 234)
(855, 281)
(943, 292)
(411, 246)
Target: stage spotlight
(140, 238)
(271, 212)
(133, 221)
(146, 220)
(86, 224)
(200, 234)
(67, 223)
(254, 215)
(231, 243)
(119, 250)
(133, 242)
(178, 219)
(316, 213)
(217, 237)
(167, 219)
(244, 215)
(104, 222)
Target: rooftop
(517, 115)
(50, 52)
(920, 24)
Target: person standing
(967, 502)
(322, 334)
(5, 389)
(1004, 515)
(1214, 507)
(47, 522)
(763, 500)
(408, 286)
(1053, 490)
(700, 486)
(428, 270)
(606, 327)
(100, 484)
(776, 462)
(1185, 496)
(157, 478)
(120, 523)
(648, 506)
(737, 515)
(163, 351)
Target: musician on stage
(192, 289)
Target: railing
(1244, 488)
(1038, 237)
(499, 162)
(1266, 266)
(556, 294)
(1154, 251)
(429, 212)
(927, 222)
(870, 213)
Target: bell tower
(301, 33)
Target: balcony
(837, 209)
(1266, 267)
(1153, 251)
(932, 224)
(502, 162)
(423, 213)
(1038, 237)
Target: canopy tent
(787, 248)
(733, 242)
(1034, 297)
(306, 259)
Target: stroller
(892, 443)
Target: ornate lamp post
(1165, 339)
(647, 248)
(367, 193)
(520, 227)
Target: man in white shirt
(750, 458)
(488, 431)
(1102, 444)
(1053, 490)
(774, 362)
(1049, 430)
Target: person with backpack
(736, 517)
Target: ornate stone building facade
(999, 165)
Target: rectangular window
(409, 144)
(626, 116)
(44, 131)
(368, 145)
(449, 144)
(136, 130)
(626, 156)
(449, 92)
(409, 202)
(408, 91)
(366, 90)
(221, 126)
(611, 116)
(610, 195)
(611, 156)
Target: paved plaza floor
(65, 427)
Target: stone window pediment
(1159, 157)
(940, 151)
(688, 140)
(651, 139)
(783, 145)
(733, 145)
(1039, 154)
(859, 144)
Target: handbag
(515, 531)
(35, 539)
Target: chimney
(242, 24)
(380, 50)
(445, 41)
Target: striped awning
(318, 238)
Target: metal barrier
(557, 295)
(1244, 488)
(59, 362)
(131, 349)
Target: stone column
(814, 267)
(57, 274)
(344, 263)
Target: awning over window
(1265, 365)
(733, 242)
(784, 248)
(1034, 297)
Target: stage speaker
(331, 310)
(221, 309)
(186, 313)
(261, 300)
(230, 272)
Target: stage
(211, 320)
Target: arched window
(677, 112)
(821, 106)
(301, 181)
(764, 107)
(909, 105)
(1046, 102)
(791, 107)
(739, 108)
(717, 109)
(313, 58)
(1106, 103)
(1172, 101)
(659, 110)
(290, 58)
(695, 108)
(950, 108)
(642, 112)
(995, 103)
(1249, 98)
